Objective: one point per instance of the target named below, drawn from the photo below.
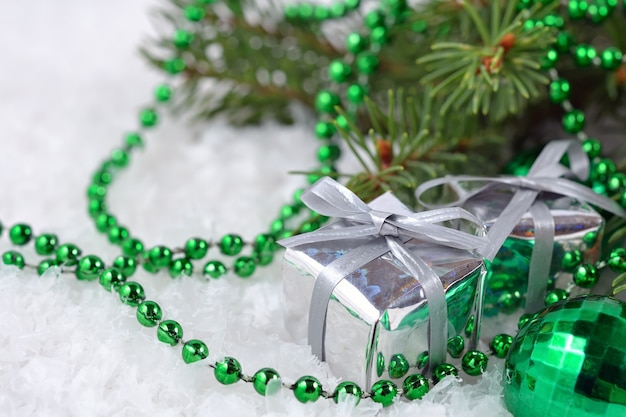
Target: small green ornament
(326, 101)
(328, 153)
(524, 319)
(611, 59)
(104, 222)
(194, 350)
(13, 258)
(133, 140)
(170, 332)
(68, 254)
(132, 247)
(352, 4)
(398, 366)
(356, 43)
(96, 208)
(20, 234)
(119, 158)
(46, 264)
(263, 378)
(616, 182)
(577, 9)
(549, 60)
(592, 147)
(379, 35)
(132, 293)
(148, 118)
(500, 345)
(126, 265)
(96, 192)
(339, 71)
(346, 388)
(102, 177)
(573, 121)
(182, 39)
(112, 279)
(244, 266)
(174, 66)
(555, 296)
(559, 90)
(89, 268)
(46, 244)
(474, 362)
(307, 389)
(584, 55)
(118, 234)
(160, 256)
(194, 13)
(367, 63)
(602, 170)
(196, 248)
(586, 276)
(570, 361)
(617, 260)
(374, 19)
(149, 313)
(356, 93)
(384, 392)
(163, 93)
(456, 345)
(324, 130)
(181, 267)
(422, 360)
(214, 269)
(571, 260)
(443, 370)
(227, 371)
(231, 244)
(415, 386)
(564, 41)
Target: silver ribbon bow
(389, 232)
(544, 175)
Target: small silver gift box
(578, 227)
(378, 312)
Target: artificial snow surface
(71, 84)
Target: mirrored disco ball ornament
(570, 361)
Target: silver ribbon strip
(383, 232)
(544, 175)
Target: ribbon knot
(387, 233)
(546, 175)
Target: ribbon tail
(541, 257)
(435, 297)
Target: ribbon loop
(389, 232)
(547, 174)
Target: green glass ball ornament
(347, 388)
(573, 121)
(384, 392)
(89, 268)
(559, 90)
(586, 276)
(339, 71)
(570, 361)
(592, 147)
(227, 371)
(500, 345)
(263, 378)
(617, 260)
(611, 59)
(415, 386)
(443, 370)
(398, 366)
(584, 55)
(194, 350)
(20, 234)
(149, 313)
(307, 389)
(46, 244)
(326, 101)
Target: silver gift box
(380, 310)
(577, 227)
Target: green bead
(598, 13)
(573, 121)
(555, 296)
(112, 279)
(277, 226)
(321, 13)
(474, 362)
(287, 212)
(13, 258)
(339, 71)
(617, 260)
(96, 192)
(564, 41)
(611, 59)
(509, 301)
(337, 10)
(163, 93)
(326, 101)
(102, 177)
(374, 19)
(46, 244)
(456, 346)
(149, 314)
(396, 7)
(133, 140)
(45, 265)
(89, 268)
(356, 93)
(194, 350)
(398, 366)
(118, 234)
(570, 361)
(379, 36)
(262, 379)
(244, 266)
(264, 249)
(125, 264)
(602, 170)
(307, 389)
(584, 55)
(592, 147)
(342, 122)
(352, 4)
(549, 60)
(586, 276)
(443, 370)
(559, 90)
(305, 11)
(194, 13)
(170, 332)
(324, 130)
(68, 254)
(571, 260)
(367, 63)
(291, 11)
(415, 386)
(590, 238)
(422, 360)
(231, 244)
(419, 26)
(160, 256)
(104, 222)
(148, 117)
(346, 388)
(524, 319)
(181, 267)
(182, 39)
(577, 9)
(132, 293)
(553, 21)
(616, 182)
(227, 371)
(196, 248)
(132, 247)
(356, 43)
(500, 345)
(384, 392)
(20, 234)
(328, 153)
(214, 269)
(119, 158)
(174, 66)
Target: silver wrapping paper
(379, 310)
(577, 227)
